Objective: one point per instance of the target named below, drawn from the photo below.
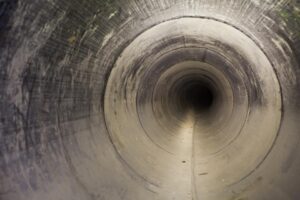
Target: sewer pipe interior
(149, 99)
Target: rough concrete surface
(149, 99)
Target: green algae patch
(291, 16)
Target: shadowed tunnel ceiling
(149, 100)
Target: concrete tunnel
(149, 99)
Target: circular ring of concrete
(249, 99)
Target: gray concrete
(149, 99)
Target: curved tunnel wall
(98, 99)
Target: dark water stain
(7, 7)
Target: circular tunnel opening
(198, 97)
(190, 90)
(95, 99)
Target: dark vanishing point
(149, 100)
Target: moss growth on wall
(291, 16)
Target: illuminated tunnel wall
(149, 100)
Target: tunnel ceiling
(149, 99)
